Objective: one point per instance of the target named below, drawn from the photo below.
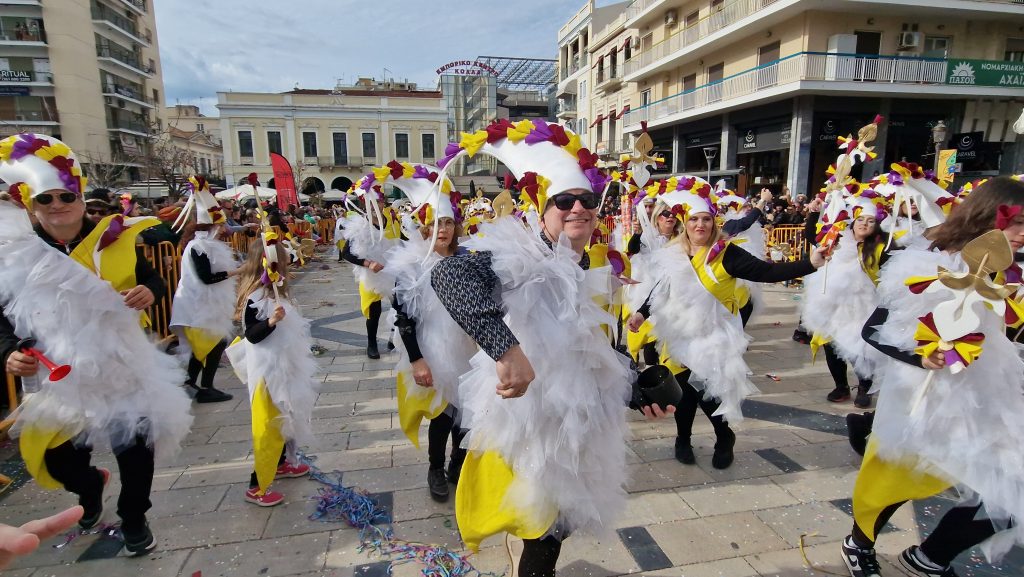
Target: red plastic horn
(57, 372)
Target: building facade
(764, 87)
(97, 62)
(199, 136)
(331, 137)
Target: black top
(740, 264)
(255, 330)
(346, 254)
(738, 225)
(204, 270)
(470, 291)
(144, 275)
(870, 334)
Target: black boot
(684, 451)
(858, 427)
(371, 348)
(863, 399)
(723, 456)
(437, 482)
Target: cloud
(208, 46)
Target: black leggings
(686, 410)
(956, 532)
(745, 312)
(372, 321)
(539, 557)
(195, 366)
(437, 436)
(837, 367)
(70, 464)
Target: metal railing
(567, 106)
(607, 74)
(127, 124)
(638, 7)
(140, 4)
(128, 92)
(121, 55)
(803, 66)
(727, 14)
(103, 13)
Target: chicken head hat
(908, 182)
(206, 208)
(32, 164)
(546, 159)
(417, 182)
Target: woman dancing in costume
(694, 310)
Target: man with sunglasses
(51, 192)
(97, 204)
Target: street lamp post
(939, 132)
(710, 152)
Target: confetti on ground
(356, 508)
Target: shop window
(936, 46)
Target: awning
(611, 114)
(598, 61)
(626, 43)
(623, 112)
(598, 120)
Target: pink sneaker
(286, 470)
(268, 499)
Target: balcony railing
(611, 73)
(803, 66)
(123, 56)
(137, 4)
(127, 124)
(16, 30)
(638, 7)
(567, 107)
(728, 14)
(127, 92)
(102, 13)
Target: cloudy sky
(208, 46)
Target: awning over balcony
(623, 112)
(598, 120)
(626, 43)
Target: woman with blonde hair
(694, 310)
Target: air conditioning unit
(909, 40)
(670, 18)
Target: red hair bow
(1005, 215)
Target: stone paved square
(793, 466)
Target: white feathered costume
(565, 440)
(370, 243)
(120, 384)
(969, 428)
(198, 305)
(837, 301)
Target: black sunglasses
(665, 214)
(566, 201)
(46, 198)
(99, 211)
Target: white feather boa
(283, 360)
(205, 306)
(367, 242)
(700, 333)
(443, 344)
(837, 300)
(969, 427)
(120, 384)
(566, 438)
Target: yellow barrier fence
(793, 236)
